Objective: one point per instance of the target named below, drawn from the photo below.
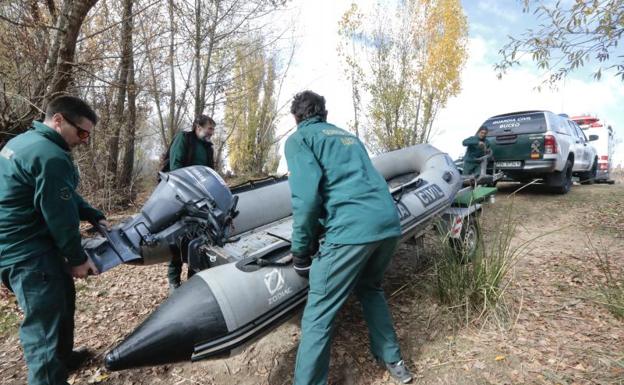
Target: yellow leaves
(500, 358)
(97, 378)
(446, 31)
(350, 21)
(250, 111)
(92, 377)
(408, 57)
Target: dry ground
(556, 332)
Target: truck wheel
(590, 176)
(561, 181)
(465, 247)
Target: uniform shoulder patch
(7, 153)
(347, 141)
(334, 132)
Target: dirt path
(556, 334)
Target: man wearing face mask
(40, 246)
(191, 148)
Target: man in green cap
(189, 148)
(40, 245)
(476, 147)
(335, 187)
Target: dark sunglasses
(81, 132)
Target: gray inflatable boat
(239, 241)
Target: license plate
(508, 164)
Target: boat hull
(249, 288)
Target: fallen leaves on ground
(556, 333)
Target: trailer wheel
(465, 247)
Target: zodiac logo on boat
(274, 281)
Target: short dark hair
(483, 128)
(72, 107)
(201, 120)
(307, 104)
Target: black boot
(78, 358)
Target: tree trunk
(122, 84)
(125, 179)
(156, 95)
(172, 99)
(52, 10)
(53, 52)
(197, 42)
(200, 105)
(63, 73)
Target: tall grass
(474, 285)
(611, 284)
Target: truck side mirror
(593, 138)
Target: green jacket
(473, 151)
(335, 185)
(201, 152)
(40, 209)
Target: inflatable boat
(239, 241)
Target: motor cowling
(182, 192)
(188, 203)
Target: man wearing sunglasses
(40, 246)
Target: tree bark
(200, 103)
(125, 178)
(122, 85)
(156, 94)
(197, 43)
(63, 73)
(172, 99)
(53, 52)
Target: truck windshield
(525, 123)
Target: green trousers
(471, 168)
(337, 271)
(174, 272)
(46, 294)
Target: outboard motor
(191, 206)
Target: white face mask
(204, 133)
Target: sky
(316, 66)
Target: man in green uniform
(477, 146)
(40, 247)
(335, 186)
(191, 148)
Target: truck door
(579, 148)
(588, 151)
